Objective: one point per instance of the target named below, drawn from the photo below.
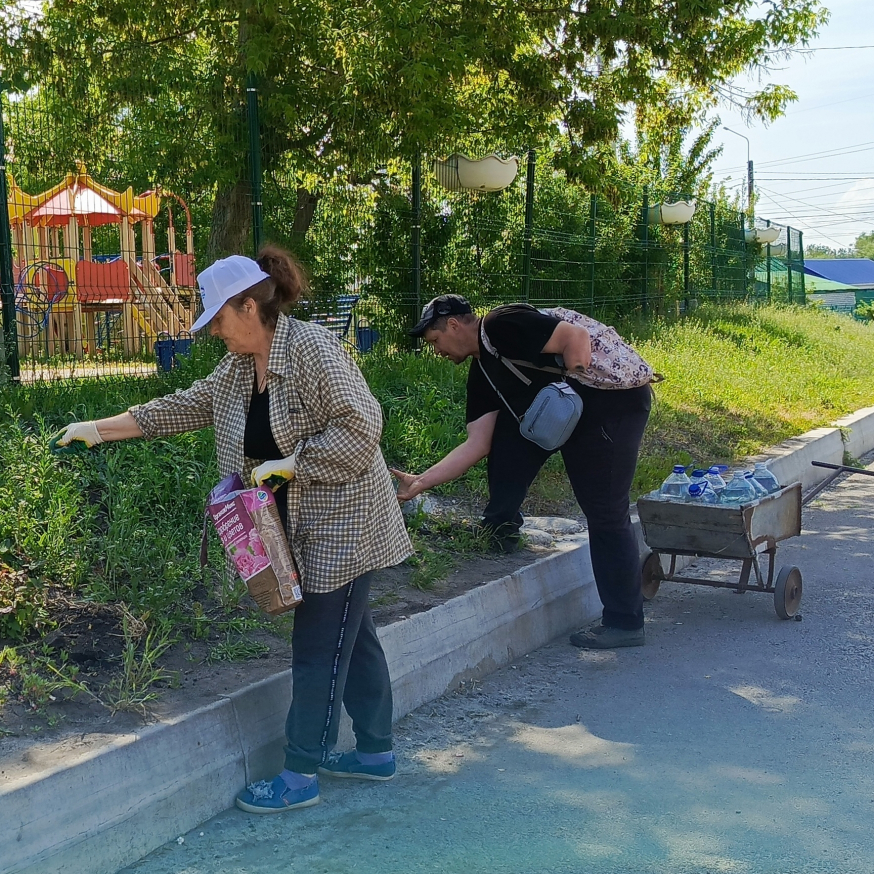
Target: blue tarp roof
(848, 271)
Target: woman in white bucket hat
(289, 404)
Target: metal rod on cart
(842, 467)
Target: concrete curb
(145, 788)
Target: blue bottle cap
(698, 473)
(678, 468)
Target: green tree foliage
(817, 250)
(346, 85)
(865, 245)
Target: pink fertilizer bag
(248, 525)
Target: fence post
(801, 272)
(7, 284)
(416, 234)
(686, 264)
(644, 239)
(713, 259)
(768, 265)
(255, 161)
(593, 231)
(529, 225)
(789, 265)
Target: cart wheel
(787, 592)
(651, 576)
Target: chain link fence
(107, 224)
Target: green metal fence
(106, 224)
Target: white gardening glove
(274, 474)
(82, 432)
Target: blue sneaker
(275, 797)
(348, 765)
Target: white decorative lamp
(677, 213)
(485, 174)
(762, 235)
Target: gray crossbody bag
(552, 415)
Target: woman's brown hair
(287, 284)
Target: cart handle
(842, 467)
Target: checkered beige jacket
(343, 516)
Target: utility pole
(751, 193)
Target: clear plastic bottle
(701, 493)
(737, 490)
(758, 488)
(714, 477)
(765, 478)
(676, 485)
(697, 476)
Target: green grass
(739, 379)
(123, 523)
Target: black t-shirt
(519, 332)
(259, 442)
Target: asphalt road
(732, 742)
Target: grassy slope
(737, 379)
(740, 379)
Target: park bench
(341, 322)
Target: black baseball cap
(442, 305)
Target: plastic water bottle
(758, 488)
(676, 486)
(714, 477)
(701, 493)
(737, 490)
(697, 476)
(765, 478)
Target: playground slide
(150, 301)
(157, 282)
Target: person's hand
(84, 433)
(408, 485)
(274, 474)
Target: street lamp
(750, 192)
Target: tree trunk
(305, 212)
(231, 226)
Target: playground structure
(72, 302)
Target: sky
(814, 167)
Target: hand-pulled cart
(746, 533)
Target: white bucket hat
(222, 281)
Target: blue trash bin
(164, 351)
(182, 345)
(167, 348)
(366, 336)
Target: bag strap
(509, 363)
(506, 402)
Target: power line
(805, 224)
(832, 48)
(811, 205)
(802, 222)
(827, 105)
(818, 156)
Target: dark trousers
(600, 457)
(337, 657)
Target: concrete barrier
(100, 811)
(97, 812)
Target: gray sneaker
(606, 637)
